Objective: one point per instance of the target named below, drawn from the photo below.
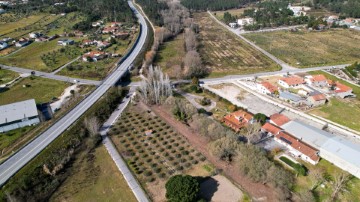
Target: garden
(152, 149)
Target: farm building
(341, 90)
(22, 42)
(291, 98)
(340, 151)
(316, 100)
(266, 88)
(291, 81)
(65, 42)
(238, 119)
(245, 21)
(18, 115)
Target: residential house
(97, 24)
(245, 21)
(291, 81)
(298, 10)
(266, 88)
(78, 33)
(42, 39)
(338, 150)
(18, 115)
(88, 42)
(109, 30)
(22, 42)
(3, 45)
(35, 35)
(340, 89)
(65, 42)
(318, 80)
(102, 44)
(115, 24)
(94, 56)
(297, 147)
(120, 35)
(233, 24)
(238, 119)
(279, 119)
(291, 98)
(316, 100)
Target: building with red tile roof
(291, 81)
(270, 128)
(279, 119)
(317, 99)
(94, 55)
(266, 88)
(298, 148)
(341, 90)
(237, 120)
(318, 80)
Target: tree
(316, 177)
(182, 188)
(92, 124)
(340, 184)
(261, 118)
(252, 132)
(195, 81)
(225, 148)
(193, 65)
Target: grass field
(234, 12)
(7, 76)
(6, 28)
(40, 89)
(30, 56)
(8, 138)
(97, 179)
(308, 49)
(226, 53)
(171, 55)
(64, 24)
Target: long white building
(18, 115)
(338, 150)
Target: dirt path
(258, 191)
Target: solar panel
(285, 140)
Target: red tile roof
(269, 86)
(319, 97)
(238, 119)
(299, 145)
(271, 128)
(342, 88)
(318, 77)
(279, 119)
(93, 54)
(293, 80)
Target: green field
(225, 53)
(309, 49)
(96, 180)
(40, 89)
(170, 55)
(8, 138)
(343, 111)
(234, 12)
(30, 56)
(7, 76)
(6, 28)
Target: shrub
(166, 154)
(170, 158)
(185, 153)
(203, 158)
(179, 168)
(168, 147)
(157, 170)
(182, 188)
(195, 162)
(147, 173)
(178, 155)
(148, 160)
(187, 165)
(151, 179)
(182, 160)
(162, 175)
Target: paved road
(284, 66)
(23, 156)
(52, 76)
(120, 163)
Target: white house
(233, 24)
(316, 80)
(35, 35)
(291, 81)
(17, 115)
(299, 10)
(65, 42)
(245, 21)
(266, 88)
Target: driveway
(192, 99)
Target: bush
(147, 173)
(182, 188)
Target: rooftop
(289, 96)
(319, 77)
(270, 128)
(17, 111)
(279, 119)
(269, 86)
(293, 80)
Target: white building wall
(283, 84)
(19, 125)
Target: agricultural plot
(43, 56)
(9, 27)
(224, 53)
(309, 49)
(234, 12)
(152, 149)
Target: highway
(13, 164)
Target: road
(14, 163)
(120, 163)
(241, 31)
(67, 64)
(51, 75)
(284, 66)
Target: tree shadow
(4, 89)
(208, 187)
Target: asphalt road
(51, 75)
(27, 153)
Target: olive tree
(182, 188)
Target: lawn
(96, 179)
(7, 76)
(170, 55)
(153, 158)
(8, 138)
(234, 12)
(31, 56)
(64, 24)
(308, 49)
(41, 89)
(227, 54)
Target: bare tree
(92, 124)
(190, 40)
(316, 177)
(156, 87)
(252, 132)
(340, 184)
(193, 65)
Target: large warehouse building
(18, 114)
(340, 151)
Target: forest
(152, 8)
(203, 5)
(350, 8)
